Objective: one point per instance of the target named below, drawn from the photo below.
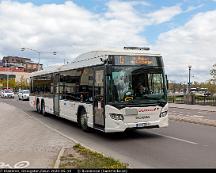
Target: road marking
(178, 139)
(21, 164)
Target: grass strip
(81, 157)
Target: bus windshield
(136, 84)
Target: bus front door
(99, 118)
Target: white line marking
(178, 139)
(21, 164)
(53, 129)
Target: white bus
(107, 90)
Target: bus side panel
(49, 105)
(32, 102)
(67, 110)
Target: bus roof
(92, 58)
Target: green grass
(85, 158)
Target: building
(15, 71)
(20, 62)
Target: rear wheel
(83, 120)
(43, 112)
(38, 107)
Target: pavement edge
(58, 161)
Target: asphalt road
(181, 145)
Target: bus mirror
(108, 70)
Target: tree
(213, 73)
(22, 83)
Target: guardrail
(193, 99)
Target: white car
(23, 95)
(7, 94)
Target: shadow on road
(128, 134)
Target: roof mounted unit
(137, 48)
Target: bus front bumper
(120, 126)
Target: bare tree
(213, 73)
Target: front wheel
(83, 122)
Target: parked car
(7, 94)
(23, 95)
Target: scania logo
(143, 117)
(148, 110)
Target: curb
(58, 161)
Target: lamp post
(189, 77)
(38, 52)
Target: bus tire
(43, 112)
(38, 107)
(83, 120)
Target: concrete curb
(58, 161)
(201, 121)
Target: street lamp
(38, 52)
(189, 77)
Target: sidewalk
(25, 142)
(194, 107)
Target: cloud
(192, 8)
(67, 27)
(191, 44)
(70, 30)
(165, 14)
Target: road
(181, 145)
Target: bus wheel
(38, 107)
(43, 112)
(83, 121)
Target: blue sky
(183, 31)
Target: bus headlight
(117, 116)
(163, 114)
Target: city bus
(107, 90)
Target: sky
(183, 31)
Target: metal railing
(192, 99)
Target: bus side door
(99, 114)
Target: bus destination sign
(135, 60)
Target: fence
(193, 99)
